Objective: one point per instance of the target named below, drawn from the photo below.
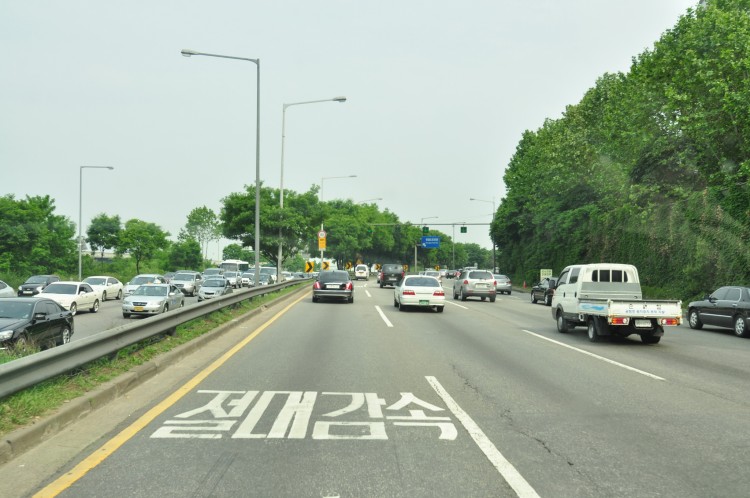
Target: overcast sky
(438, 95)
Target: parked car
(6, 290)
(475, 283)
(544, 290)
(33, 321)
(108, 287)
(361, 271)
(144, 278)
(73, 296)
(152, 299)
(502, 284)
(424, 291)
(35, 284)
(333, 284)
(727, 307)
(189, 282)
(214, 287)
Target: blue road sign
(430, 241)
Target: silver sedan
(152, 299)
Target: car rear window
(421, 282)
(334, 276)
(480, 275)
(395, 268)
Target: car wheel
(463, 297)
(694, 320)
(492, 299)
(350, 300)
(650, 339)
(739, 327)
(64, 337)
(440, 309)
(533, 298)
(401, 307)
(381, 285)
(73, 309)
(22, 344)
(104, 296)
(314, 299)
(562, 323)
(593, 335)
(165, 308)
(455, 295)
(548, 301)
(126, 315)
(95, 307)
(395, 303)
(119, 295)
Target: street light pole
(494, 264)
(281, 182)
(80, 215)
(320, 199)
(256, 248)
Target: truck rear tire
(562, 323)
(650, 339)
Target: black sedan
(333, 284)
(727, 307)
(33, 322)
(544, 290)
(36, 284)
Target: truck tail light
(620, 320)
(670, 321)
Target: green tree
(203, 226)
(185, 255)
(103, 232)
(33, 239)
(142, 240)
(236, 251)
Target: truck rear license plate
(643, 324)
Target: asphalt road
(485, 399)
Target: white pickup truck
(607, 298)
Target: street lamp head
(339, 99)
(187, 53)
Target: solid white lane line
(456, 304)
(382, 315)
(514, 479)
(602, 358)
(368, 293)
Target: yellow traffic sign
(348, 265)
(309, 266)
(437, 267)
(326, 265)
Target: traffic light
(463, 229)
(425, 230)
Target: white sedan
(73, 296)
(422, 291)
(108, 287)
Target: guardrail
(31, 370)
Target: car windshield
(96, 281)
(151, 290)
(58, 288)
(15, 309)
(184, 276)
(36, 280)
(214, 282)
(501, 277)
(141, 280)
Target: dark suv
(391, 274)
(36, 284)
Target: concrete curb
(19, 441)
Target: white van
(361, 271)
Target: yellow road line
(101, 454)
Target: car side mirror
(39, 316)
(711, 299)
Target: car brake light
(349, 286)
(408, 292)
(494, 282)
(316, 285)
(438, 293)
(466, 282)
